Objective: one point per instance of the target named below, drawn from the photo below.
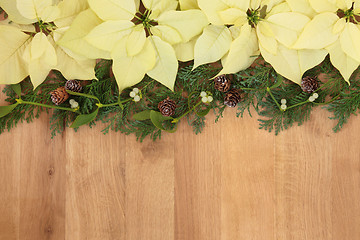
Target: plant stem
(272, 96)
(298, 104)
(20, 101)
(186, 113)
(114, 104)
(325, 103)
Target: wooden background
(232, 182)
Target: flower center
(254, 16)
(349, 15)
(143, 17)
(44, 27)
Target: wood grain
(232, 182)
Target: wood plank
(9, 184)
(95, 184)
(247, 171)
(150, 189)
(42, 183)
(345, 182)
(198, 183)
(303, 173)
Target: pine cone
(309, 84)
(73, 85)
(59, 95)
(222, 84)
(167, 107)
(232, 98)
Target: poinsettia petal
(69, 9)
(318, 33)
(72, 68)
(266, 41)
(323, 5)
(13, 68)
(188, 4)
(10, 7)
(113, 9)
(107, 34)
(241, 51)
(343, 62)
(185, 51)
(74, 37)
(188, 23)
(211, 9)
(292, 63)
(129, 71)
(166, 66)
(31, 9)
(136, 40)
(42, 58)
(349, 40)
(212, 45)
(50, 13)
(233, 16)
(301, 6)
(243, 5)
(167, 33)
(287, 26)
(160, 5)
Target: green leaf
(84, 119)
(279, 81)
(5, 110)
(17, 89)
(157, 119)
(203, 112)
(141, 116)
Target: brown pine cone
(222, 83)
(232, 98)
(59, 95)
(73, 85)
(167, 107)
(309, 84)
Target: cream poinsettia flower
(269, 26)
(336, 28)
(28, 43)
(138, 37)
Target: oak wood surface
(231, 182)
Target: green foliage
(261, 90)
(278, 120)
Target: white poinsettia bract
(139, 38)
(28, 42)
(335, 28)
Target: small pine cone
(73, 85)
(59, 95)
(222, 83)
(167, 107)
(232, 98)
(309, 84)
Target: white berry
(203, 94)
(71, 101)
(137, 98)
(210, 99)
(204, 99)
(132, 94)
(136, 90)
(311, 99)
(315, 95)
(283, 107)
(283, 101)
(75, 105)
